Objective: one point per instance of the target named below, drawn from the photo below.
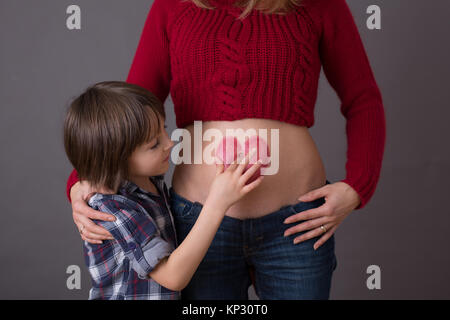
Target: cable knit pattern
(227, 69)
(217, 67)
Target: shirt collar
(129, 187)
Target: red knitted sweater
(217, 67)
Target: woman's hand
(82, 214)
(340, 200)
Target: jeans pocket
(181, 209)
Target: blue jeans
(282, 270)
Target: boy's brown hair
(104, 125)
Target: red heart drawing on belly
(230, 147)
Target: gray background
(404, 229)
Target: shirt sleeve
(150, 68)
(136, 233)
(73, 178)
(347, 69)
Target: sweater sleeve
(150, 68)
(347, 69)
(73, 178)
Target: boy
(115, 137)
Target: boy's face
(152, 158)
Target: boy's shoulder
(123, 199)
(104, 198)
(130, 215)
(113, 203)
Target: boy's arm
(177, 270)
(135, 232)
(150, 255)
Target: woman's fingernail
(287, 221)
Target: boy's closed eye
(155, 145)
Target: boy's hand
(82, 214)
(229, 185)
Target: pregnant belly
(229, 147)
(292, 165)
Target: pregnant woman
(255, 65)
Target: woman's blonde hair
(266, 6)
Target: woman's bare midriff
(300, 169)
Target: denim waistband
(275, 217)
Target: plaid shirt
(143, 232)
